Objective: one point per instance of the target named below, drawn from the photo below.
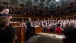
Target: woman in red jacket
(58, 29)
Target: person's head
(9, 17)
(3, 22)
(2, 9)
(6, 11)
(71, 24)
(65, 25)
(58, 24)
(29, 19)
(43, 39)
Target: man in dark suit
(28, 30)
(74, 35)
(4, 11)
(69, 33)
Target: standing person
(2, 10)
(74, 35)
(6, 12)
(7, 33)
(28, 30)
(69, 33)
(65, 27)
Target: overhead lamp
(57, 0)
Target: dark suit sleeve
(28, 25)
(74, 34)
(69, 32)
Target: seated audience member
(58, 29)
(43, 39)
(48, 27)
(7, 33)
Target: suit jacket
(69, 33)
(45, 29)
(1, 14)
(58, 30)
(65, 31)
(74, 34)
(28, 27)
(7, 35)
(6, 15)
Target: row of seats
(70, 9)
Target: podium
(15, 24)
(38, 29)
(20, 32)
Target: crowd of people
(70, 9)
(7, 32)
(66, 27)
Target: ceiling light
(57, 0)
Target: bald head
(6, 11)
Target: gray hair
(43, 39)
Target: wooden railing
(20, 17)
(65, 16)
